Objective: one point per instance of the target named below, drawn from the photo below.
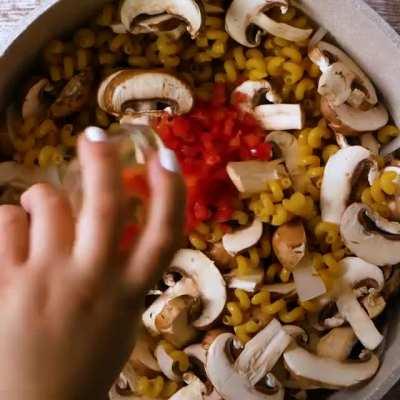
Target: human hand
(68, 309)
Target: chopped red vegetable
(205, 140)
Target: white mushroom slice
(243, 238)
(229, 383)
(209, 281)
(33, 105)
(329, 51)
(309, 284)
(248, 283)
(391, 147)
(368, 235)
(256, 92)
(327, 372)
(246, 22)
(252, 176)
(337, 344)
(357, 271)
(262, 352)
(341, 140)
(297, 333)
(289, 243)
(143, 12)
(369, 141)
(174, 321)
(359, 120)
(167, 364)
(319, 34)
(184, 287)
(338, 179)
(195, 389)
(144, 92)
(359, 320)
(198, 352)
(280, 117)
(336, 83)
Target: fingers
(99, 220)
(163, 232)
(14, 235)
(51, 222)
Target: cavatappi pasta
(263, 289)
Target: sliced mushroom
(391, 147)
(280, 117)
(329, 373)
(195, 389)
(308, 283)
(174, 321)
(370, 236)
(297, 333)
(262, 352)
(252, 176)
(75, 95)
(125, 386)
(220, 256)
(364, 328)
(254, 93)
(243, 238)
(374, 305)
(369, 141)
(142, 358)
(169, 367)
(229, 383)
(141, 16)
(337, 344)
(33, 105)
(246, 22)
(209, 281)
(248, 283)
(185, 286)
(284, 289)
(341, 172)
(289, 243)
(137, 93)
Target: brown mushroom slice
(243, 238)
(280, 117)
(251, 177)
(174, 321)
(139, 93)
(369, 141)
(341, 171)
(228, 382)
(329, 373)
(74, 96)
(262, 352)
(308, 283)
(195, 389)
(337, 344)
(289, 243)
(246, 22)
(184, 287)
(256, 92)
(370, 236)
(33, 105)
(248, 283)
(143, 16)
(209, 281)
(364, 328)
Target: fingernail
(95, 134)
(168, 160)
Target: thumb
(163, 233)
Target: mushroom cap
(289, 243)
(130, 89)
(262, 352)
(239, 17)
(329, 373)
(229, 383)
(340, 173)
(138, 11)
(369, 236)
(243, 238)
(209, 281)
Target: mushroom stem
(281, 30)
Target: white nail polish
(95, 134)
(168, 160)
